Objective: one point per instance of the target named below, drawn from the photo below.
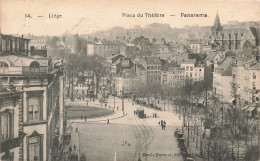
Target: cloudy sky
(86, 16)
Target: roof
(128, 73)
(114, 58)
(226, 66)
(188, 61)
(195, 41)
(176, 68)
(254, 31)
(211, 56)
(166, 66)
(153, 60)
(140, 66)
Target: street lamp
(123, 108)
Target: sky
(87, 16)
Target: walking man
(85, 118)
(108, 121)
(164, 124)
(70, 149)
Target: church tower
(216, 28)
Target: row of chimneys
(14, 44)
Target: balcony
(41, 70)
(12, 143)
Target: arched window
(35, 67)
(4, 67)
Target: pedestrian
(108, 121)
(83, 157)
(159, 123)
(105, 104)
(74, 147)
(164, 124)
(70, 150)
(76, 157)
(72, 157)
(85, 118)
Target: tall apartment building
(176, 76)
(105, 50)
(222, 77)
(31, 103)
(193, 70)
(246, 83)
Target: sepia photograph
(129, 80)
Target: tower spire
(216, 28)
(217, 21)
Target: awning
(231, 100)
(251, 109)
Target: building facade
(222, 78)
(246, 83)
(103, 49)
(37, 113)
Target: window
(148, 67)
(187, 68)
(4, 80)
(191, 68)
(254, 75)
(34, 148)
(6, 125)
(35, 67)
(191, 75)
(34, 106)
(4, 67)
(254, 85)
(155, 67)
(151, 67)
(15, 80)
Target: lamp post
(114, 95)
(123, 108)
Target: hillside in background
(158, 30)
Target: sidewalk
(110, 105)
(74, 141)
